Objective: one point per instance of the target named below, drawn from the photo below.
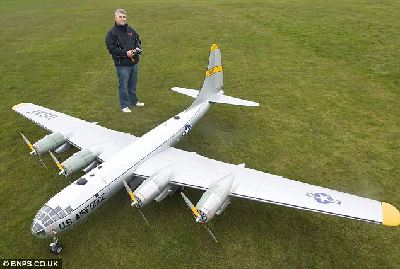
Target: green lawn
(327, 76)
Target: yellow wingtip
(20, 104)
(390, 215)
(214, 47)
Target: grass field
(327, 75)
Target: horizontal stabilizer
(216, 98)
(188, 92)
(224, 99)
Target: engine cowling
(78, 161)
(49, 142)
(90, 167)
(215, 199)
(63, 148)
(151, 188)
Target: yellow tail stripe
(214, 70)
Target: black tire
(58, 249)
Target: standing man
(124, 45)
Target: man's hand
(130, 53)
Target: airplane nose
(38, 229)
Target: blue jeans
(127, 80)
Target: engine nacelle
(168, 191)
(63, 148)
(78, 161)
(151, 188)
(90, 167)
(215, 199)
(49, 142)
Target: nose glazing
(37, 228)
(45, 217)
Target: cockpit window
(47, 216)
(62, 214)
(47, 209)
(42, 215)
(48, 223)
(52, 213)
(57, 209)
(37, 228)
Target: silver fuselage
(79, 199)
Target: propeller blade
(191, 206)
(130, 192)
(134, 201)
(59, 166)
(145, 220)
(196, 214)
(33, 151)
(211, 233)
(41, 162)
(28, 143)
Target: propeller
(59, 166)
(33, 151)
(135, 202)
(199, 217)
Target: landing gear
(55, 247)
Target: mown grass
(327, 77)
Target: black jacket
(119, 40)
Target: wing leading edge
(192, 170)
(79, 133)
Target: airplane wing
(192, 170)
(79, 133)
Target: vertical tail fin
(211, 90)
(214, 80)
(214, 76)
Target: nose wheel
(55, 247)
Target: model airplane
(113, 160)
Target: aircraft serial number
(43, 114)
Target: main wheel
(59, 249)
(56, 249)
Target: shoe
(139, 104)
(126, 110)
